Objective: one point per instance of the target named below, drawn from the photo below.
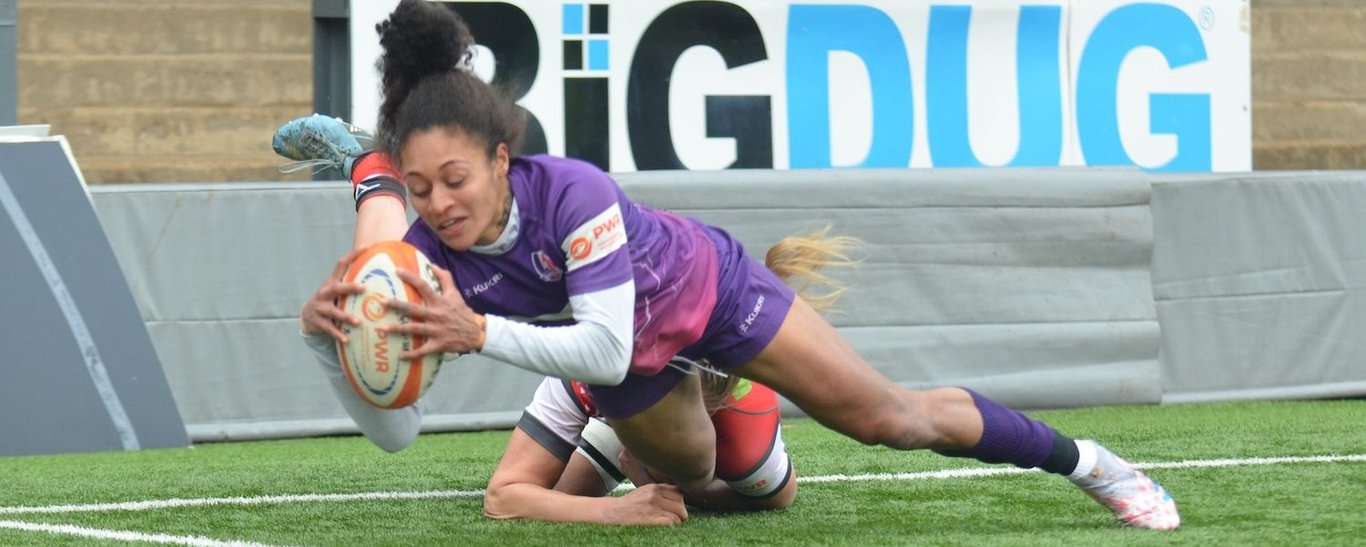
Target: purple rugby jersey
(573, 223)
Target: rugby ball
(369, 357)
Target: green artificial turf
(1312, 503)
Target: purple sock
(1010, 437)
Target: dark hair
(428, 85)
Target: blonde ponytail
(798, 260)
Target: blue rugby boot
(320, 142)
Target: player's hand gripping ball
(370, 357)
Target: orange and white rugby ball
(369, 357)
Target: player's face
(455, 187)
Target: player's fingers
(411, 328)
(337, 315)
(665, 509)
(331, 329)
(676, 507)
(322, 321)
(670, 492)
(409, 309)
(423, 289)
(345, 262)
(446, 280)
(334, 290)
(421, 351)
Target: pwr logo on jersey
(595, 239)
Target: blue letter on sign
(1039, 87)
(946, 87)
(1171, 33)
(813, 32)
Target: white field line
(123, 535)
(148, 505)
(995, 471)
(255, 500)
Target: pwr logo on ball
(372, 307)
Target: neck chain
(507, 212)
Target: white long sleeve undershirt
(595, 349)
(391, 430)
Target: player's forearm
(533, 502)
(390, 429)
(582, 351)
(596, 349)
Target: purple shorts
(751, 303)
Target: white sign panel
(651, 84)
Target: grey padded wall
(1260, 282)
(81, 373)
(1031, 286)
(220, 272)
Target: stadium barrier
(80, 372)
(1043, 288)
(1260, 285)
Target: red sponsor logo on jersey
(580, 248)
(606, 227)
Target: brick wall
(179, 90)
(164, 90)
(1309, 84)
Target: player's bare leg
(674, 437)
(812, 365)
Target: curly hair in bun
(427, 84)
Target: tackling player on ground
(560, 454)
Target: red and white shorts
(750, 454)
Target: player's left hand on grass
(445, 322)
(649, 505)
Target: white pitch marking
(447, 494)
(996, 471)
(1251, 461)
(256, 500)
(123, 535)
(943, 474)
